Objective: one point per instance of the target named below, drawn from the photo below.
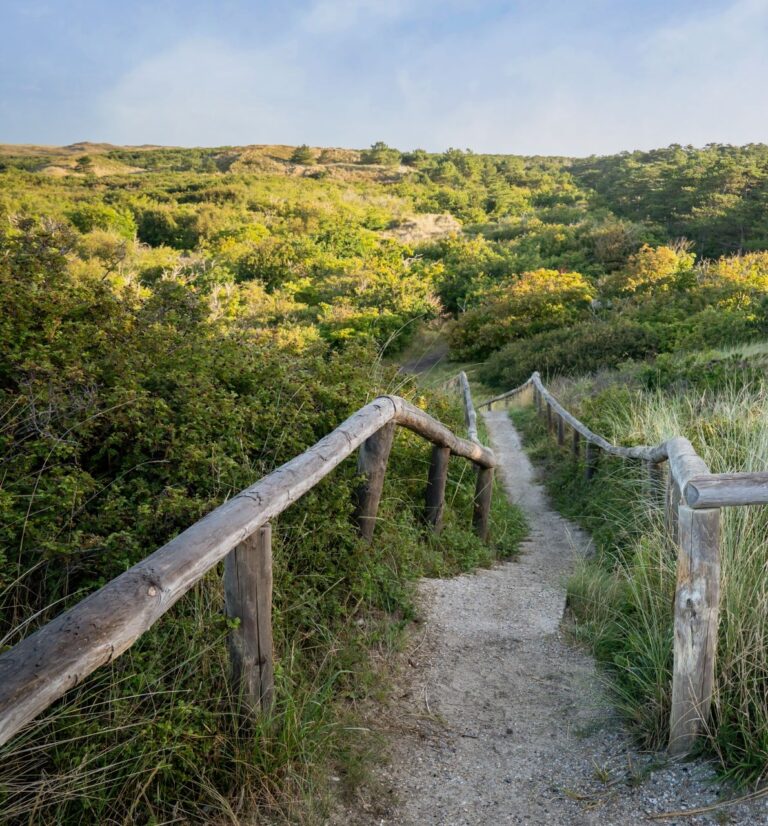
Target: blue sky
(532, 76)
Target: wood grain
(470, 415)
(696, 621)
(481, 517)
(727, 489)
(372, 461)
(434, 496)
(248, 598)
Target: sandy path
(500, 720)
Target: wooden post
(576, 445)
(483, 496)
(696, 619)
(656, 482)
(435, 494)
(591, 454)
(560, 431)
(248, 597)
(537, 399)
(372, 465)
(549, 418)
(672, 503)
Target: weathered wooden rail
(693, 499)
(48, 663)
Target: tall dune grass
(729, 427)
(622, 598)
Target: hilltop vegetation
(177, 322)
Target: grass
(622, 598)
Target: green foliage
(139, 388)
(622, 597)
(535, 302)
(303, 155)
(583, 348)
(380, 153)
(88, 217)
(659, 302)
(714, 196)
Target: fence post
(576, 444)
(372, 466)
(482, 503)
(549, 418)
(656, 482)
(671, 508)
(697, 601)
(591, 455)
(248, 597)
(560, 430)
(435, 494)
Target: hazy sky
(532, 76)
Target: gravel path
(498, 720)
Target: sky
(574, 77)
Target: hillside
(176, 323)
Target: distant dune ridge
(334, 162)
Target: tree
(85, 165)
(380, 153)
(651, 269)
(416, 158)
(303, 155)
(209, 164)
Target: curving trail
(499, 720)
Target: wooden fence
(44, 666)
(693, 498)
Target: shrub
(583, 348)
(303, 155)
(380, 153)
(88, 217)
(536, 301)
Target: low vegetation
(622, 598)
(177, 322)
(164, 342)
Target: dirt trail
(499, 720)
(424, 362)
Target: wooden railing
(693, 500)
(44, 666)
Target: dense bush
(583, 348)
(535, 302)
(658, 302)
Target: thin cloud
(349, 72)
(204, 91)
(332, 16)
